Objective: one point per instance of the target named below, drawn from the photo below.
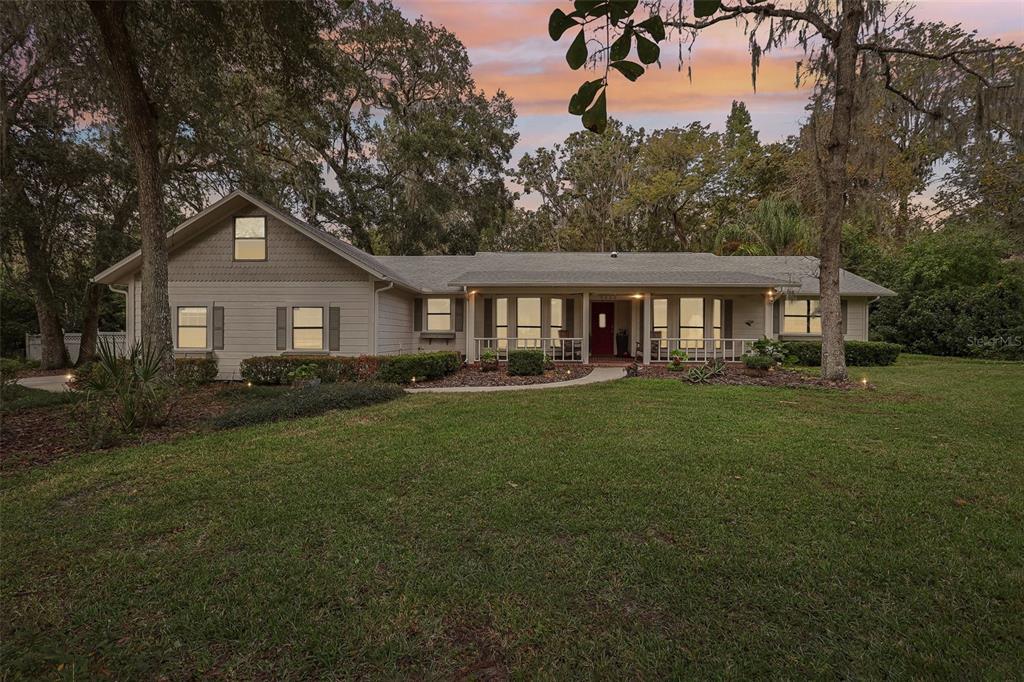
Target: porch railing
(558, 350)
(701, 350)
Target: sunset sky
(510, 50)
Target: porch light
(638, 295)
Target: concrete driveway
(58, 383)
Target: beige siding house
(247, 279)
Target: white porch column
(769, 316)
(647, 328)
(470, 327)
(586, 327)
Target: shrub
(195, 371)
(489, 360)
(703, 374)
(277, 369)
(123, 394)
(9, 368)
(769, 348)
(303, 373)
(401, 369)
(752, 361)
(871, 353)
(525, 362)
(310, 401)
(858, 353)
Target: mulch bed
(474, 376)
(741, 376)
(35, 437)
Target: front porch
(614, 327)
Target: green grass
(640, 529)
(24, 398)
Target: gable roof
(449, 274)
(230, 204)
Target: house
(248, 279)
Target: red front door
(602, 328)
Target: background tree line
(354, 118)
(369, 125)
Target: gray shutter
(282, 329)
(218, 327)
(417, 315)
(846, 322)
(727, 318)
(778, 317)
(334, 329)
(569, 316)
(460, 314)
(489, 330)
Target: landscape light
(864, 381)
(249, 384)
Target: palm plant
(774, 227)
(126, 393)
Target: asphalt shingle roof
(795, 274)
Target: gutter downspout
(376, 306)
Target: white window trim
(426, 314)
(325, 342)
(235, 239)
(209, 325)
(810, 335)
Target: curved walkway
(599, 375)
(57, 383)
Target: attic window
(251, 238)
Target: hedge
(307, 402)
(526, 362)
(399, 369)
(858, 353)
(195, 370)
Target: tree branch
(761, 10)
(887, 71)
(954, 55)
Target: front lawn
(643, 528)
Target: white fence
(727, 350)
(557, 350)
(73, 342)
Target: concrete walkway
(57, 383)
(599, 375)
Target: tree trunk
(140, 119)
(90, 323)
(833, 357)
(51, 330)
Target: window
(659, 311)
(439, 314)
(308, 328)
(691, 318)
(528, 322)
(801, 316)
(251, 238)
(192, 327)
(501, 321)
(716, 322)
(556, 316)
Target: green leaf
(595, 119)
(584, 96)
(559, 23)
(654, 26)
(630, 70)
(620, 9)
(647, 50)
(576, 55)
(620, 48)
(705, 8)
